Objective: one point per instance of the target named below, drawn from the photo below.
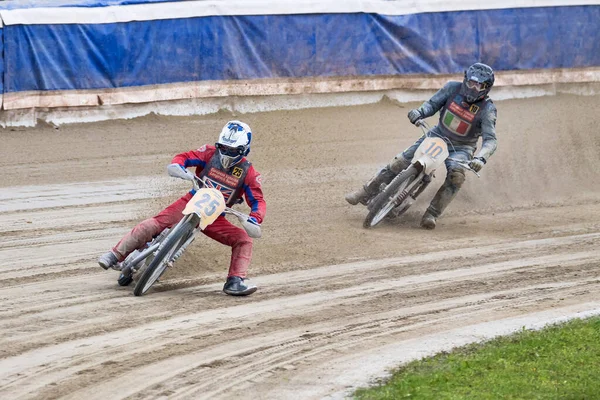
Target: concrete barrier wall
(84, 53)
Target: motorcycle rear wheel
(383, 203)
(172, 243)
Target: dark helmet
(479, 79)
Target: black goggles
(230, 151)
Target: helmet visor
(230, 151)
(479, 86)
(228, 155)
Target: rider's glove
(178, 171)
(253, 220)
(477, 163)
(414, 115)
(252, 227)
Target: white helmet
(234, 143)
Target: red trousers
(221, 230)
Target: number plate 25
(208, 204)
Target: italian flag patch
(455, 124)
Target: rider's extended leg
(455, 177)
(228, 234)
(371, 188)
(385, 175)
(144, 232)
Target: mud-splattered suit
(462, 124)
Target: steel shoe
(358, 196)
(108, 260)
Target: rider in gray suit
(466, 113)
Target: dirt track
(524, 238)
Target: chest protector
(227, 182)
(460, 121)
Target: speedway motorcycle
(396, 197)
(149, 263)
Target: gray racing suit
(462, 124)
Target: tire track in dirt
(148, 339)
(521, 240)
(25, 224)
(301, 280)
(360, 369)
(26, 198)
(220, 368)
(286, 355)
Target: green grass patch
(559, 362)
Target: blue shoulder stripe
(194, 163)
(251, 198)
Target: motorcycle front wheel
(385, 201)
(172, 243)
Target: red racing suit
(239, 181)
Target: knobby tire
(402, 180)
(172, 243)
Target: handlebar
(423, 125)
(250, 226)
(426, 129)
(199, 183)
(465, 165)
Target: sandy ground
(520, 241)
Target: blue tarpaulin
(74, 56)
(24, 4)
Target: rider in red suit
(225, 168)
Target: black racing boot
(235, 286)
(428, 220)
